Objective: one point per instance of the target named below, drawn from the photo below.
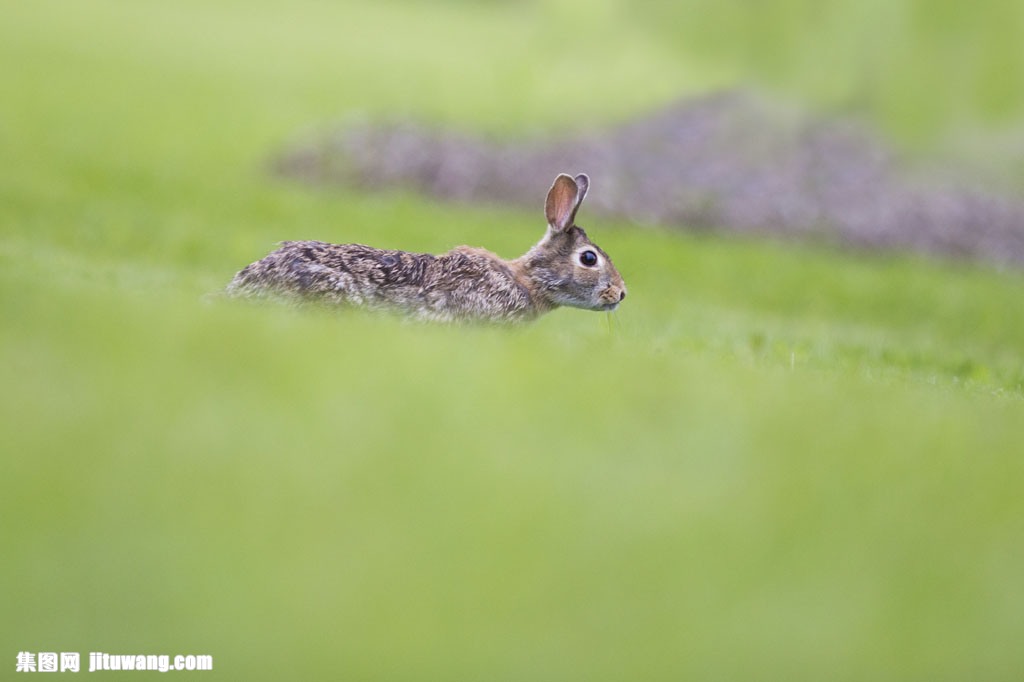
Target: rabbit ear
(583, 183)
(564, 198)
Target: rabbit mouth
(610, 299)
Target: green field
(773, 463)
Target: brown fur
(463, 284)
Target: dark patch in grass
(732, 162)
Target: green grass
(920, 67)
(777, 462)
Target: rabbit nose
(622, 295)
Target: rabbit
(564, 268)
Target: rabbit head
(565, 267)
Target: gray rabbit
(564, 269)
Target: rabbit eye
(588, 259)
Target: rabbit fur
(564, 268)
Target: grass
(921, 68)
(779, 462)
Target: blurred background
(794, 453)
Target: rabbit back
(465, 283)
